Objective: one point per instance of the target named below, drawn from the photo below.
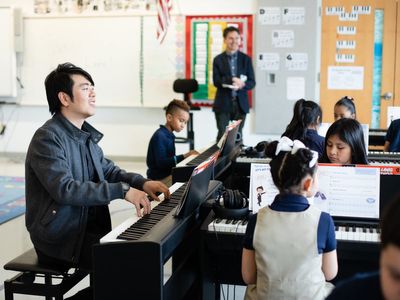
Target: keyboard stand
(220, 259)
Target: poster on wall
(204, 41)
(345, 78)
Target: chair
(187, 86)
(30, 270)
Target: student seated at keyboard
(306, 120)
(290, 246)
(344, 143)
(161, 157)
(344, 108)
(392, 139)
(385, 283)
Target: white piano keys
(191, 157)
(256, 160)
(225, 225)
(362, 234)
(375, 236)
(187, 160)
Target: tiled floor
(15, 239)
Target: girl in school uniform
(307, 117)
(290, 247)
(344, 143)
(344, 108)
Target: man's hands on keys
(154, 187)
(140, 199)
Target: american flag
(164, 18)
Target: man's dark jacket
(222, 75)
(58, 194)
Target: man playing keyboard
(69, 182)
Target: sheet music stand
(187, 86)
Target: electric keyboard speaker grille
(144, 224)
(203, 156)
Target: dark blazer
(222, 75)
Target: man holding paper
(233, 76)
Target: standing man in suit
(233, 76)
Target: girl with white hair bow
(290, 246)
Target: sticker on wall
(269, 15)
(346, 30)
(283, 38)
(346, 44)
(346, 16)
(295, 88)
(345, 78)
(361, 10)
(334, 10)
(293, 15)
(296, 61)
(268, 61)
(345, 58)
(393, 113)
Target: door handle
(387, 96)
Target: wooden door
(358, 57)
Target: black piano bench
(30, 270)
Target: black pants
(223, 118)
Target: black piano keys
(203, 156)
(144, 224)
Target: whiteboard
(160, 63)
(8, 82)
(109, 48)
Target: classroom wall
(127, 130)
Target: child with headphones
(290, 247)
(344, 143)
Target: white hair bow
(285, 144)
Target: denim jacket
(58, 194)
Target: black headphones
(231, 204)
(257, 151)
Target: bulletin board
(287, 50)
(204, 41)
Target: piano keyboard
(377, 132)
(355, 233)
(226, 225)
(343, 232)
(376, 157)
(165, 207)
(257, 160)
(144, 224)
(203, 156)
